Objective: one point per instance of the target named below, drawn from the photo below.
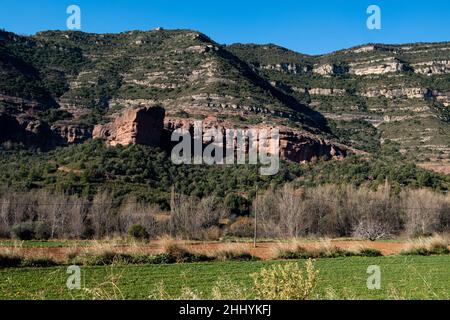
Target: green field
(402, 277)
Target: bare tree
(101, 214)
(135, 213)
(424, 210)
(76, 220)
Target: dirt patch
(438, 167)
(264, 250)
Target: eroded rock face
(20, 104)
(326, 92)
(432, 67)
(291, 68)
(71, 133)
(377, 67)
(329, 69)
(442, 97)
(29, 131)
(148, 126)
(294, 145)
(409, 93)
(134, 126)
(298, 147)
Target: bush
(436, 245)
(41, 231)
(230, 255)
(38, 263)
(178, 254)
(285, 282)
(110, 258)
(138, 232)
(242, 227)
(31, 230)
(24, 230)
(10, 261)
(368, 252)
(302, 253)
(421, 251)
(297, 253)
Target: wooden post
(256, 219)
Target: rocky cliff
(33, 132)
(134, 126)
(147, 126)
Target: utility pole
(256, 218)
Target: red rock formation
(296, 146)
(134, 126)
(71, 133)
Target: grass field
(402, 277)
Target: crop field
(402, 277)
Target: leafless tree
(136, 213)
(101, 214)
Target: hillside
(56, 86)
(89, 75)
(369, 94)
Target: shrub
(421, 251)
(162, 258)
(303, 253)
(230, 255)
(138, 232)
(31, 230)
(297, 253)
(24, 230)
(105, 258)
(41, 231)
(7, 261)
(242, 227)
(368, 252)
(38, 263)
(285, 282)
(179, 254)
(428, 246)
(334, 252)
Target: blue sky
(307, 26)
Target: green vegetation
(302, 253)
(138, 232)
(341, 278)
(149, 175)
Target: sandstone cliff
(133, 126)
(147, 126)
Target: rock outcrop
(329, 69)
(134, 126)
(292, 68)
(296, 146)
(409, 93)
(28, 131)
(72, 133)
(147, 126)
(430, 68)
(326, 92)
(377, 67)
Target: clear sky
(307, 26)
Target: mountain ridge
(358, 96)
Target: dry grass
(435, 245)
(233, 251)
(324, 248)
(286, 282)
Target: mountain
(369, 94)
(55, 86)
